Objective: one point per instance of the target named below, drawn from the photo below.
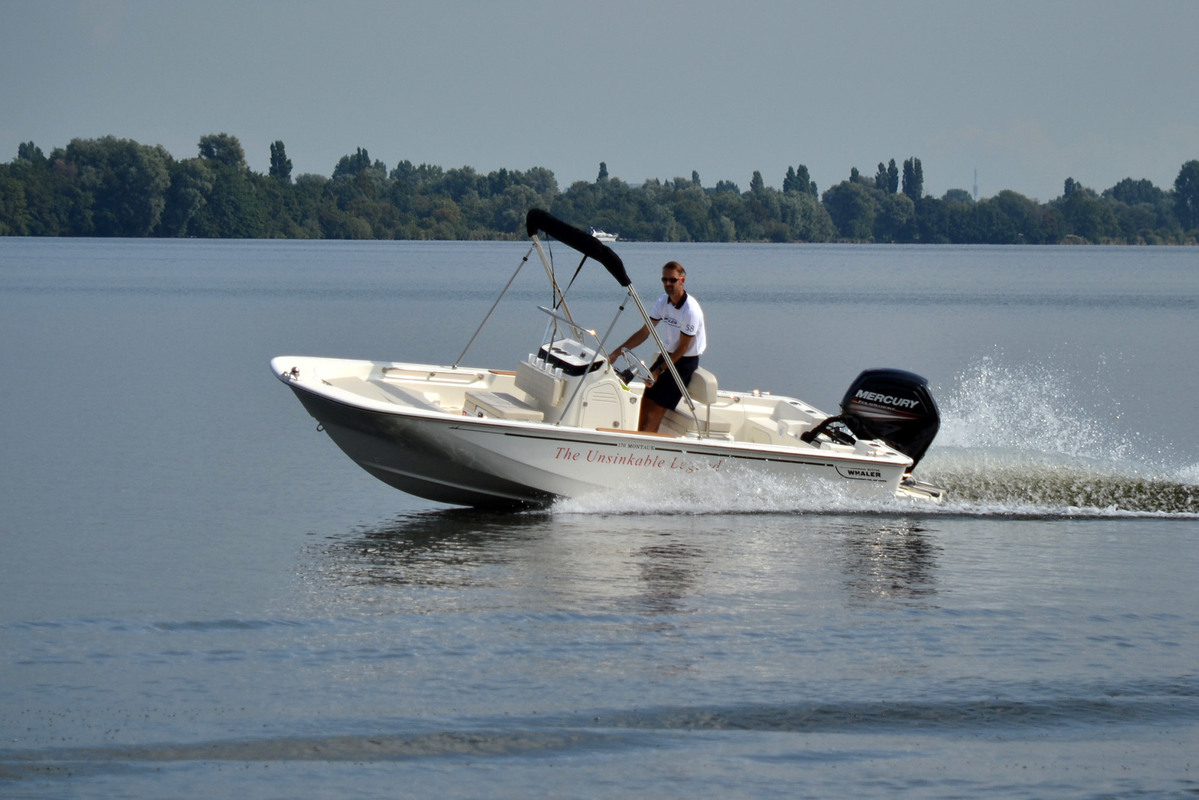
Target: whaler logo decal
(863, 473)
(886, 399)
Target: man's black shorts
(665, 392)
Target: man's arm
(637, 338)
(685, 340)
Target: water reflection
(889, 561)
(438, 549)
(668, 574)
(648, 566)
(570, 564)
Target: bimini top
(572, 237)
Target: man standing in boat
(684, 338)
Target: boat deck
(749, 417)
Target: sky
(1026, 93)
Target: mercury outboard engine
(888, 404)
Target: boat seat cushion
(681, 421)
(500, 405)
(405, 397)
(702, 387)
(380, 390)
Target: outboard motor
(888, 404)
(895, 406)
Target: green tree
(307, 192)
(692, 210)
(510, 208)
(887, 178)
(57, 204)
(233, 208)
(349, 166)
(280, 163)
(802, 177)
(282, 212)
(1025, 215)
(1186, 195)
(28, 151)
(990, 225)
(798, 180)
(542, 181)
(14, 212)
(1085, 215)
(726, 209)
(913, 178)
(762, 213)
(191, 183)
(27, 177)
(958, 196)
(1136, 222)
(1134, 192)
(895, 217)
(124, 182)
(852, 209)
(121, 188)
(223, 149)
(790, 181)
(932, 220)
(806, 219)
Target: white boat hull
(447, 456)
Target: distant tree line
(118, 187)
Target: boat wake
(991, 483)
(1013, 442)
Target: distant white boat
(603, 235)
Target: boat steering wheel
(635, 368)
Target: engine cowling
(895, 406)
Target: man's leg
(651, 416)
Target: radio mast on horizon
(976, 184)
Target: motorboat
(562, 423)
(603, 236)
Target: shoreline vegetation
(120, 188)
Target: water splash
(732, 490)
(1035, 409)
(1017, 439)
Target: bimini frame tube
(559, 297)
(588, 245)
(491, 311)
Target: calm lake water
(200, 596)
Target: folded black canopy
(572, 237)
